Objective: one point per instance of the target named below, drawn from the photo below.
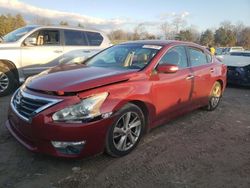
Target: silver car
(32, 49)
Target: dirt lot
(200, 149)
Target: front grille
(27, 106)
(231, 72)
(247, 68)
(231, 68)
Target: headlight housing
(88, 108)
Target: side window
(197, 57)
(95, 39)
(74, 38)
(177, 56)
(45, 38)
(209, 58)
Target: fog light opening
(68, 147)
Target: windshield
(240, 54)
(17, 34)
(219, 51)
(237, 48)
(125, 56)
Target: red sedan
(109, 101)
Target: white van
(233, 49)
(32, 49)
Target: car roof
(236, 47)
(159, 42)
(242, 52)
(63, 27)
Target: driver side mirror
(167, 68)
(30, 41)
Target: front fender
(123, 93)
(135, 92)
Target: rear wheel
(215, 96)
(124, 135)
(7, 81)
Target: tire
(215, 96)
(7, 81)
(122, 139)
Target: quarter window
(95, 39)
(197, 57)
(75, 38)
(177, 56)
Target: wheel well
(11, 67)
(144, 109)
(221, 83)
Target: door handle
(58, 51)
(189, 77)
(212, 70)
(86, 51)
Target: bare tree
(63, 23)
(245, 38)
(179, 23)
(118, 35)
(239, 27)
(227, 25)
(41, 21)
(140, 32)
(207, 38)
(167, 30)
(80, 25)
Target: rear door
(82, 44)
(202, 69)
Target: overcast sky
(125, 14)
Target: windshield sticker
(152, 47)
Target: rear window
(75, 38)
(95, 39)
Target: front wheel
(126, 132)
(7, 81)
(215, 96)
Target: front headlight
(87, 109)
(241, 69)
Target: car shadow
(237, 86)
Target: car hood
(8, 45)
(236, 61)
(75, 78)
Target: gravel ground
(200, 149)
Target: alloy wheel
(127, 131)
(215, 95)
(4, 81)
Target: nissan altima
(107, 102)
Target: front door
(43, 51)
(172, 91)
